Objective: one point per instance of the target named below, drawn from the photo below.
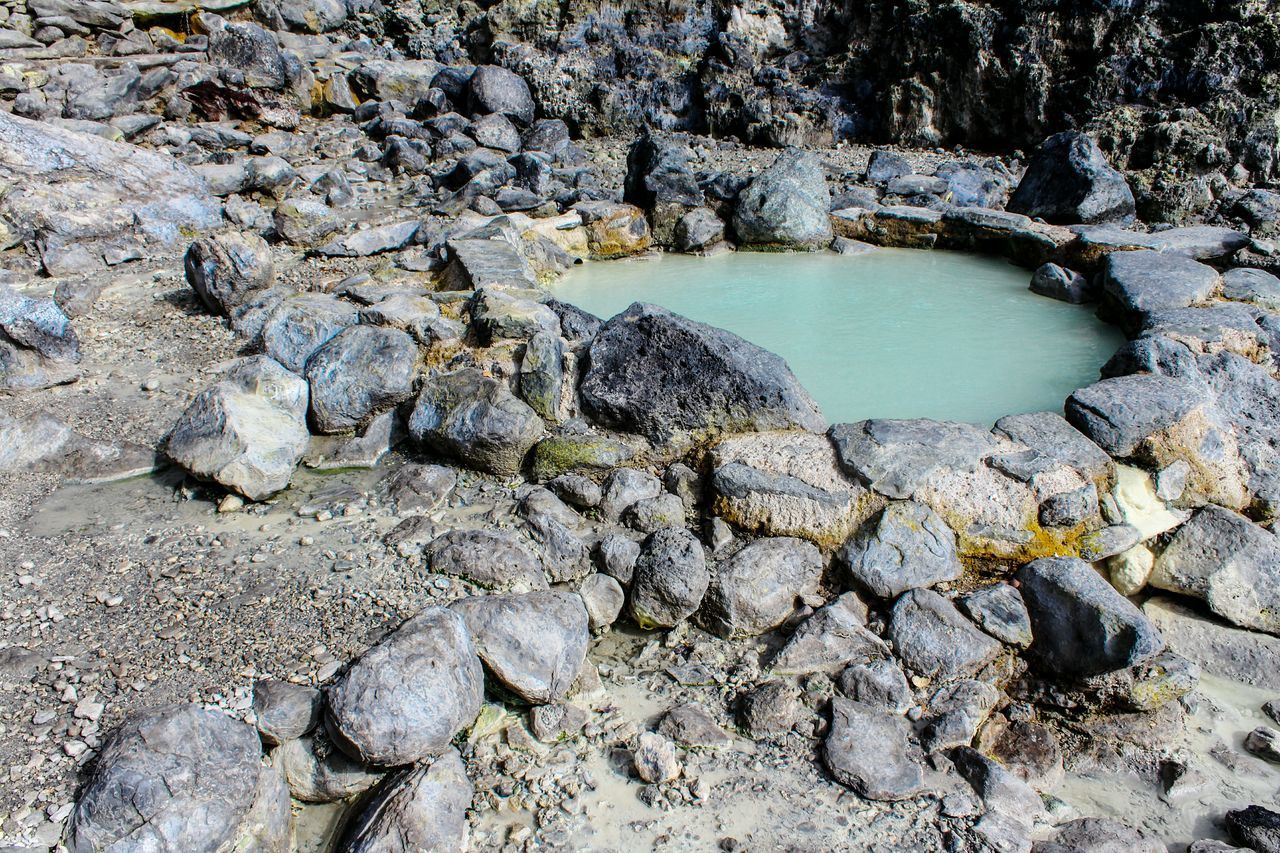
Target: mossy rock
(564, 454)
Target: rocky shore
(330, 528)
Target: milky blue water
(894, 333)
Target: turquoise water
(894, 333)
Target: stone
(649, 514)
(1130, 570)
(1146, 281)
(655, 759)
(72, 189)
(316, 771)
(358, 374)
(534, 643)
(771, 710)
(284, 711)
(1062, 284)
(618, 557)
(869, 750)
(247, 48)
(661, 181)
(670, 579)
(1118, 414)
(834, 637)
(578, 452)
(759, 587)
(895, 457)
(698, 231)
(577, 491)
(496, 131)
(932, 638)
(1255, 827)
(880, 683)
(494, 89)
(305, 222)
(669, 378)
(39, 347)
(1068, 180)
(556, 722)
(1219, 648)
(603, 597)
(404, 699)
(424, 808)
(165, 766)
(956, 712)
(1051, 436)
(884, 166)
(1256, 287)
(404, 80)
(1108, 541)
(247, 432)
(1227, 561)
(1264, 742)
(1028, 750)
(1099, 835)
(300, 324)
(1081, 625)
(364, 242)
(786, 205)
(491, 559)
(565, 557)
(416, 487)
(998, 609)
(1071, 508)
(614, 230)
(223, 268)
(693, 727)
(477, 420)
(905, 547)
(542, 374)
(499, 315)
(477, 264)
(1001, 792)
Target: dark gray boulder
(1230, 563)
(667, 377)
(935, 640)
(360, 373)
(786, 206)
(834, 637)
(1069, 181)
(249, 49)
(542, 374)
(1261, 209)
(534, 643)
(756, 589)
(884, 166)
(223, 268)
(1146, 281)
(1255, 827)
(284, 711)
(406, 698)
(300, 324)
(1062, 284)
(491, 559)
(1118, 414)
(661, 182)
(1081, 625)
(698, 231)
(421, 809)
(494, 89)
(477, 420)
(1050, 435)
(894, 457)
(178, 778)
(869, 749)
(908, 545)
(670, 579)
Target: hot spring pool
(894, 333)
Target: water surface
(894, 333)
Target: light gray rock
(932, 638)
(577, 490)
(247, 432)
(223, 268)
(650, 514)
(406, 698)
(998, 610)
(1082, 626)
(477, 264)
(175, 778)
(1049, 434)
(360, 373)
(668, 378)
(313, 16)
(880, 683)
(1230, 563)
(542, 374)
(655, 759)
(603, 597)
(556, 722)
(618, 556)
(493, 559)
(316, 771)
(497, 314)
(906, 546)
(625, 487)
(786, 205)
(475, 419)
(1108, 541)
(956, 712)
(670, 579)
(300, 324)
(364, 242)
(834, 637)
(869, 750)
(39, 347)
(534, 643)
(284, 711)
(699, 230)
(1145, 281)
(305, 222)
(1257, 287)
(1119, 413)
(693, 727)
(424, 808)
(760, 586)
(894, 457)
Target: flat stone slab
(1201, 242)
(894, 457)
(477, 264)
(1149, 281)
(1222, 650)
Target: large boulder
(75, 192)
(248, 431)
(361, 372)
(756, 589)
(907, 546)
(935, 640)
(1080, 624)
(300, 324)
(1146, 281)
(896, 457)
(422, 809)
(39, 347)
(786, 206)
(1229, 562)
(477, 420)
(494, 89)
(1068, 181)
(533, 643)
(869, 749)
(670, 579)
(181, 778)
(661, 181)
(406, 697)
(248, 49)
(669, 378)
(223, 269)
